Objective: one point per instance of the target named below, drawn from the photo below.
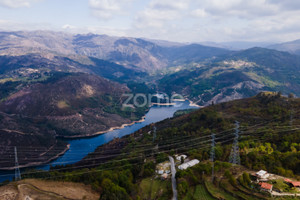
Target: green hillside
(269, 139)
(238, 75)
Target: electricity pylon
(17, 168)
(212, 154)
(235, 151)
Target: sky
(173, 20)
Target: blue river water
(79, 148)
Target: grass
(217, 192)
(201, 193)
(154, 188)
(228, 187)
(62, 104)
(6, 80)
(280, 185)
(264, 80)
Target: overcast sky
(174, 20)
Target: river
(79, 148)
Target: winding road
(173, 170)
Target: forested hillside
(269, 139)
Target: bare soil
(33, 189)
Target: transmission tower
(291, 117)
(235, 151)
(154, 133)
(212, 154)
(17, 169)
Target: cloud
(68, 27)
(107, 9)
(286, 4)
(199, 13)
(169, 4)
(17, 3)
(238, 8)
(159, 12)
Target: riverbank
(102, 132)
(192, 104)
(80, 148)
(35, 164)
(163, 104)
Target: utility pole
(17, 169)
(235, 151)
(212, 155)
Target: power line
(212, 155)
(234, 157)
(17, 169)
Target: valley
(63, 105)
(267, 141)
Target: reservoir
(79, 148)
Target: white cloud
(17, 3)
(160, 12)
(199, 13)
(180, 20)
(238, 8)
(107, 9)
(68, 27)
(169, 4)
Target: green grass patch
(282, 186)
(218, 192)
(201, 193)
(234, 191)
(155, 189)
(264, 80)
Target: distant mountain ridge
(292, 47)
(237, 75)
(133, 53)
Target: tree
(111, 191)
(291, 96)
(182, 159)
(246, 178)
(279, 94)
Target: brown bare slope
(65, 105)
(37, 189)
(78, 103)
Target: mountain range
(55, 84)
(292, 47)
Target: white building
(262, 174)
(181, 156)
(188, 164)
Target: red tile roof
(266, 186)
(296, 183)
(287, 180)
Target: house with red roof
(296, 183)
(292, 183)
(266, 187)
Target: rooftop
(266, 186)
(296, 183)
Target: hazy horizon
(270, 21)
